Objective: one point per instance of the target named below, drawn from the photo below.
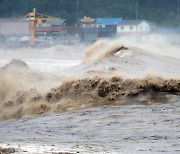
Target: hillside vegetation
(163, 12)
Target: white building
(134, 27)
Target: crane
(34, 18)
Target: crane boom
(34, 18)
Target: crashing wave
(93, 85)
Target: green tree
(163, 12)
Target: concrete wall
(10, 28)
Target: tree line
(162, 12)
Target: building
(103, 22)
(50, 27)
(14, 27)
(135, 27)
(92, 29)
(87, 29)
(55, 31)
(107, 27)
(14, 31)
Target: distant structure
(87, 29)
(56, 31)
(9, 27)
(50, 28)
(169, 35)
(135, 27)
(91, 29)
(14, 30)
(107, 27)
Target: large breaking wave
(24, 92)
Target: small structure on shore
(126, 27)
(91, 29)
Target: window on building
(131, 27)
(122, 27)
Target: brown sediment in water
(114, 91)
(18, 98)
(90, 91)
(22, 90)
(7, 150)
(14, 64)
(101, 49)
(93, 51)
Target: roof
(56, 22)
(130, 22)
(87, 20)
(111, 21)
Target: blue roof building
(108, 21)
(92, 29)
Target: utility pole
(60, 7)
(178, 14)
(136, 9)
(77, 11)
(136, 14)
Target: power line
(77, 12)
(178, 15)
(136, 9)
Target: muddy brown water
(105, 129)
(104, 124)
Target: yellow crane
(34, 18)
